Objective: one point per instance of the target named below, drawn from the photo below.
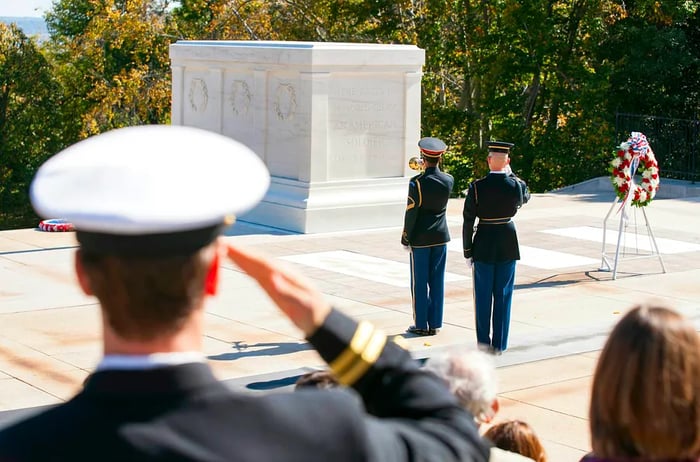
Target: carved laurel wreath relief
(285, 101)
(199, 95)
(240, 97)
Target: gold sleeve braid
(411, 203)
(363, 351)
(420, 193)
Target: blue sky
(24, 7)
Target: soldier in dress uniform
(149, 204)
(426, 234)
(493, 249)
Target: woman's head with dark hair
(646, 389)
(517, 436)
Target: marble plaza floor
(564, 305)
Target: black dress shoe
(415, 330)
(495, 351)
(433, 331)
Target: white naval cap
(152, 190)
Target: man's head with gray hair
(471, 377)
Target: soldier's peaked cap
(501, 147)
(150, 191)
(432, 147)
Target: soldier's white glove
(469, 263)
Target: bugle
(416, 163)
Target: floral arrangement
(635, 156)
(54, 225)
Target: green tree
(30, 122)
(564, 130)
(521, 72)
(654, 59)
(454, 35)
(388, 21)
(112, 57)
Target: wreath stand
(606, 263)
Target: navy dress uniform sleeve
(413, 415)
(413, 203)
(524, 191)
(469, 218)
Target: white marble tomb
(335, 123)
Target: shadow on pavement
(260, 349)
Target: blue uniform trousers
(493, 293)
(428, 285)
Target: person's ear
(211, 283)
(488, 417)
(83, 279)
(495, 406)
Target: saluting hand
(303, 304)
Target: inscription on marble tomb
(367, 121)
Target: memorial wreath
(635, 156)
(56, 225)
